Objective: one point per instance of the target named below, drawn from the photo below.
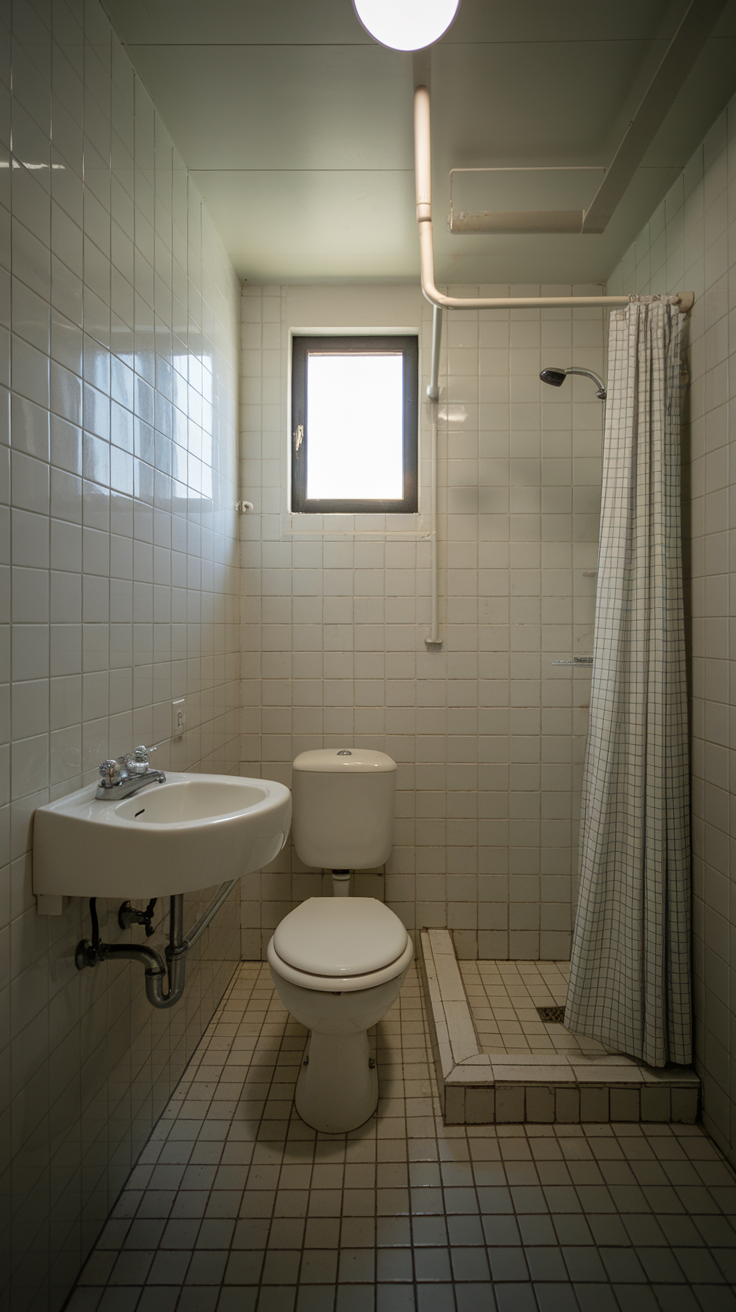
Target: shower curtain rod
(423, 175)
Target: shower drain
(552, 1015)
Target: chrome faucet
(127, 774)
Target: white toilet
(338, 963)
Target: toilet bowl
(338, 963)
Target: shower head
(556, 377)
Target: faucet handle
(137, 761)
(113, 772)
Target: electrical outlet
(178, 717)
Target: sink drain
(552, 1015)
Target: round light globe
(406, 24)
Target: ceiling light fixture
(406, 24)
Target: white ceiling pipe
(423, 176)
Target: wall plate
(178, 717)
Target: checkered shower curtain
(630, 967)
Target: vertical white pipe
(423, 182)
(433, 391)
(433, 638)
(422, 155)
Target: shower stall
(630, 955)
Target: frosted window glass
(355, 427)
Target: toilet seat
(340, 936)
(340, 945)
(342, 983)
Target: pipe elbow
(431, 294)
(155, 982)
(157, 996)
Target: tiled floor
(236, 1205)
(504, 996)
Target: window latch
(299, 435)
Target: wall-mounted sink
(191, 832)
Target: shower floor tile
(236, 1206)
(504, 997)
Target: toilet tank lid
(334, 936)
(336, 760)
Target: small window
(354, 425)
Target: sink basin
(189, 833)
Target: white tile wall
(119, 572)
(690, 244)
(488, 735)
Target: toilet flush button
(344, 753)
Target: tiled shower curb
(477, 1089)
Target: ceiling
(297, 127)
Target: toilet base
(337, 1089)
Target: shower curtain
(630, 966)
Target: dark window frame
(364, 344)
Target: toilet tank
(343, 807)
